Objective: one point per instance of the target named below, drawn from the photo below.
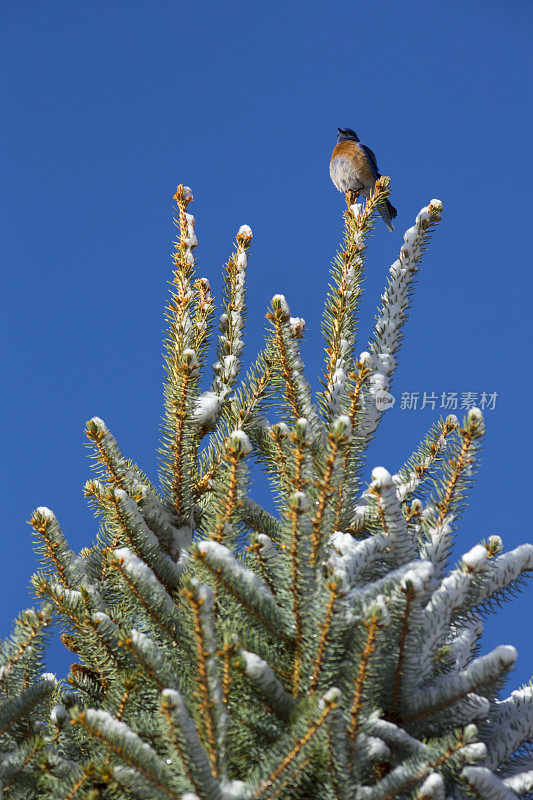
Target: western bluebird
(353, 168)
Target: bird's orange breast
(357, 159)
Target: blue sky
(107, 106)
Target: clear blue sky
(107, 106)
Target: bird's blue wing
(371, 158)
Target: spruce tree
(221, 652)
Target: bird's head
(346, 135)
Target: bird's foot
(351, 196)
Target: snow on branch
(244, 584)
(17, 707)
(290, 367)
(53, 546)
(386, 338)
(502, 571)
(340, 321)
(263, 679)
(188, 746)
(144, 541)
(448, 689)
(151, 658)
(400, 539)
(145, 589)
(230, 343)
(127, 745)
(485, 785)
(511, 724)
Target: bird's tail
(388, 212)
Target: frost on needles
(221, 652)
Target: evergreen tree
(225, 653)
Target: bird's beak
(340, 130)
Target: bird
(354, 168)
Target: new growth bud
(183, 195)
(470, 732)
(475, 421)
(341, 429)
(302, 432)
(299, 502)
(435, 208)
(239, 444)
(189, 360)
(356, 209)
(59, 715)
(280, 307)
(244, 236)
(381, 478)
(494, 545)
(297, 326)
(280, 430)
(476, 559)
